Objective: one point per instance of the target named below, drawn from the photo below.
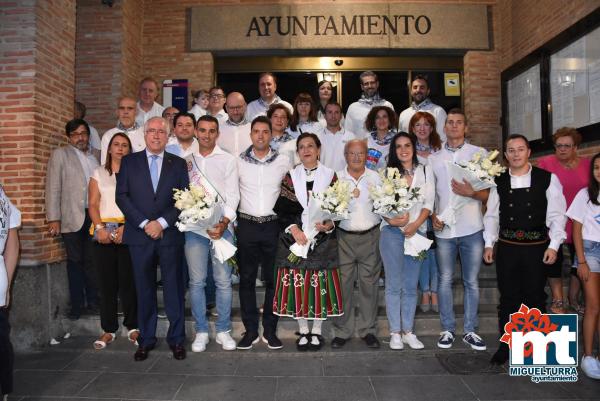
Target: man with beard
(126, 112)
(234, 136)
(184, 143)
(357, 112)
(419, 93)
(68, 174)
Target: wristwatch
(99, 226)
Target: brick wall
(36, 98)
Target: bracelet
(99, 226)
(582, 263)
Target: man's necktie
(154, 171)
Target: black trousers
(7, 357)
(521, 276)
(257, 244)
(115, 280)
(80, 268)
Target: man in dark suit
(144, 193)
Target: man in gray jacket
(68, 174)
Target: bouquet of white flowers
(200, 211)
(331, 204)
(479, 172)
(394, 198)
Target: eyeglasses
(563, 145)
(234, 108)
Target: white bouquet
(331, 204)
(200, 211)
(479, 172)
(395, 197)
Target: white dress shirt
(469, 219)
(361, 216)
(221, 117)
(357, 114)
(11, 218)
(174, 147)
(159, 162)
(259, 107)
(88, 164)
(313, 127)
(136, 136)
(143, 116)
(555, 211)
(436, 111)
(332, 148)
(260, 184)
(219, 168)
(234, 139)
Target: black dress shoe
(142, 353)
(501, 356)
(178, 351)
(371, 341)
(315, 345)
(303, 347)
(338, 342)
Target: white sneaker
(224, 338)
(591, 367)
(396, 341)
(412, 340)
(200, 342)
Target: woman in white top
(402, 271)
(304, 118)
(584, 212)
(111, 256)
(422, 125)
(382, 123)
(9, 253)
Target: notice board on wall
(524, 104)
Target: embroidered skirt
(308, 293)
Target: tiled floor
(74, 371)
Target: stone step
(425, 324)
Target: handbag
(111, 227)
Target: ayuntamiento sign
(340, 26)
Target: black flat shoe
(303, 347)
(338, 342)
(501, 356)
(315, 347)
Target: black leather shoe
(142, 353)
(178, 351)
(338, 342)
(501, 356)
(371, 341)
(303, 347)
(315, 345)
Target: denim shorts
(591, 250)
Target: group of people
(115, 211)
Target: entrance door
(302, 74)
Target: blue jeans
(401, 278)
(470, 249)
(197, 252)
(428, 278)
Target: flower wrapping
(394, 196)
(199, 212)
(416, 245)
(479, 172)
(331, 204)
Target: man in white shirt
(526, 218)
(184, 142)
(80, 111)
(261, 171)
(169, 114)
(358, 249)
(419, 93)
(358, 111)
(215, 170)
(126, 111)
(234, 135)
(68, 174)
(334, 138)
(267, 88)
(216, 101)
(147, 106)
(464, 236)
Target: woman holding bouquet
(306, 288)
(111, 256)
(402, 271)
(423, 126)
